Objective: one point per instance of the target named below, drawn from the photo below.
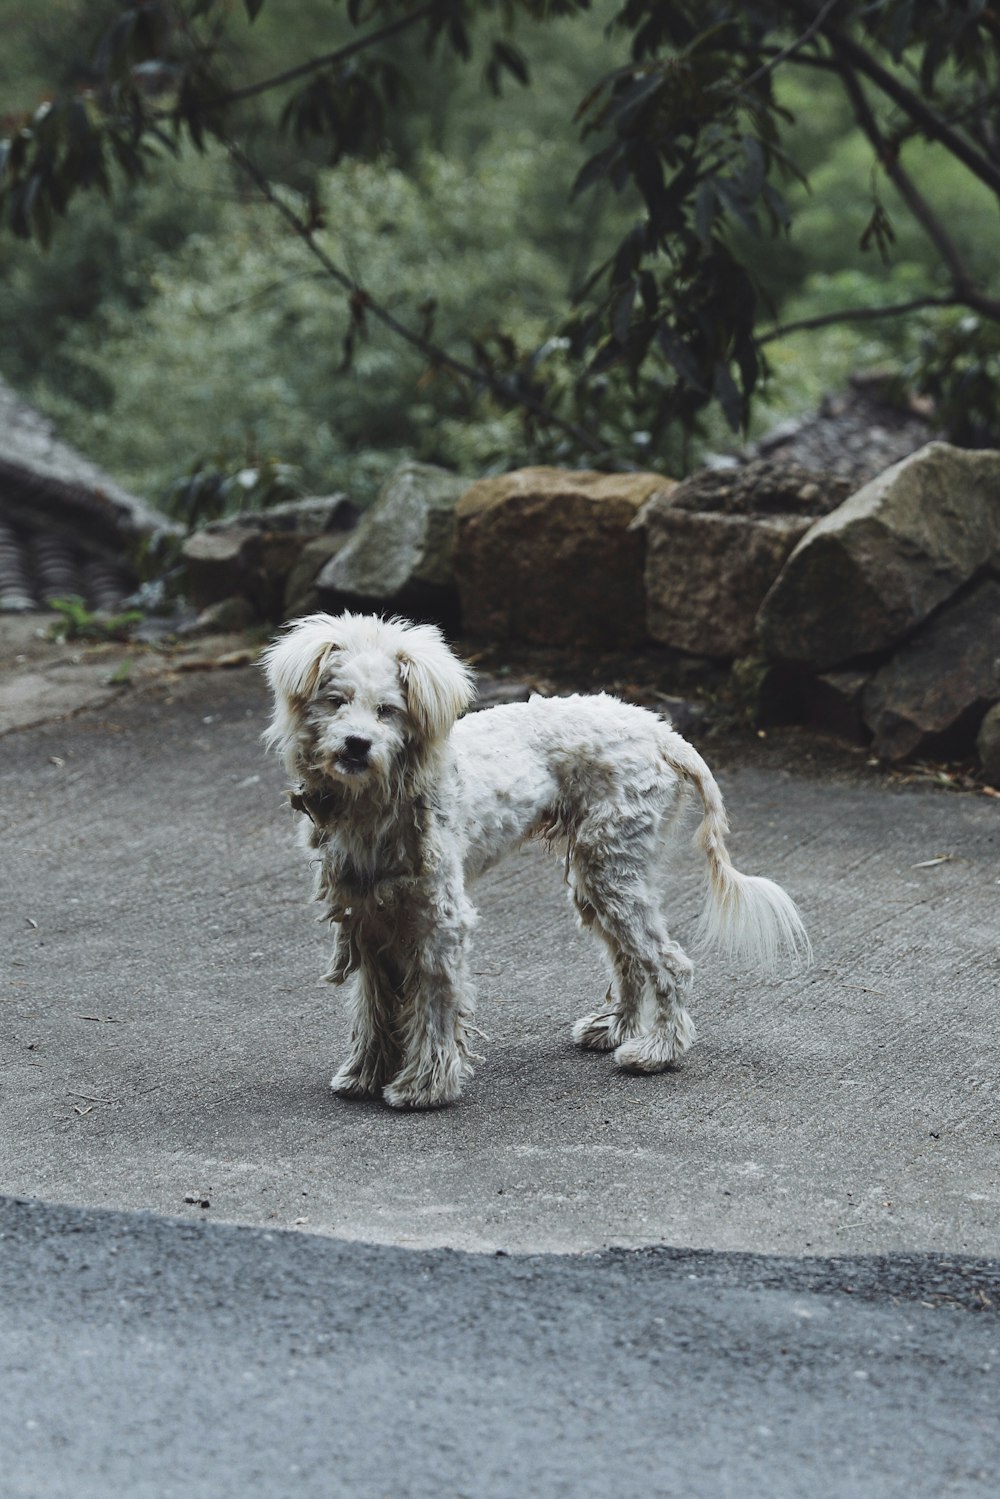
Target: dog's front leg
(437, 1006)
(375, 1054)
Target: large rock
(988, 746)
(400, 557)
(251, 555)
(302, 593)
(552, 557)
(864, 577)
(931, 696)
(716, 543)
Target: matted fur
(404, 803)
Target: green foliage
(103, 271)
(210, 490)
(48, 46)
(231, 346)
(750, 165)
(957, 364)
(78, 622)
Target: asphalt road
(775, 1270)
(150, 1359)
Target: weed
(78, 622)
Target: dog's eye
(335, 700)
(386, 710)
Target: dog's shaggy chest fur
(404, 804)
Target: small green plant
(213, 488)
(78, 622)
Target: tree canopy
(689, 133)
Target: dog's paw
(349, 1083)
(420, 1095)
(601, 1032)
(655, 1051)
(597, 1032)
(431, 1087)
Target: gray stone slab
(164, 1036)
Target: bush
(234, 339)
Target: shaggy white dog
(404, 805)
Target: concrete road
(803, 1300)
(165, 1036)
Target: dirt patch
(44, 679)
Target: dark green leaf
(705, 210)
(756, 168)
(679, 356)
(621, 315)
(512, 60)
(727, 394)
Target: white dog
(404, 805)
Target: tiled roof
(66, 527)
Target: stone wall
(874, 612)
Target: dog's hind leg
(608, 1028)
(671, 1031)
(614, 882)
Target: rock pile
(857, 580)
(892, 604)
(258, 558)
(872, 611)
(855, 434)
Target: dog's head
(356, 695)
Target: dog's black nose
(356, 747)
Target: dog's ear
(294, 662)
(438, 686)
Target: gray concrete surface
(150, 1359)
(164, 1036)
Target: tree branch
(312, 64)
(784, 54)
(966, 289)
(437, 357)
(857, 315)
(932, 124)
(888, 157)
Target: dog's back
(545, 767)
(562, 767)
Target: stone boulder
(302, 594)
(988, 746)
(251, 555)
(552, 557)
(866, 576)
(716, 543)
(400, 557)
(932, 695)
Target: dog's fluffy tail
(744, 915)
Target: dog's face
(359, 717)
(355, 696)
